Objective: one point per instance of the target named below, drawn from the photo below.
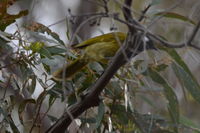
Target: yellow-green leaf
(36, 46)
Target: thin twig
(105, 6)
(144, 12)
(192, 36)
(38, 113)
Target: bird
(97, 49)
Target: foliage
(118, 109)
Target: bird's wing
(119, 36)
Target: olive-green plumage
(100, 49)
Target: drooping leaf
(184, 74)
(54, 93)
(52, 99)
(44, 52)
(175, 16)
(22, 107)
(173, 105)
(40, 37)
(55, 50)
(101, 111)
(190, 84)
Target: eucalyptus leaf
(56, 50)
(190, 84)
(184, 74)
(22, 107)
(173, 105)
(101, 111)
(177, 16)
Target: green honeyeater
(100, 49)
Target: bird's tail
(70, 69)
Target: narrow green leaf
(175, 16)
(53, 91)
(190, 84)
(178, 59)
(184, 74)
(101, 111)
(56, 50)
(56, 37)
(45, 52)
(173, 106)
(52, 99)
